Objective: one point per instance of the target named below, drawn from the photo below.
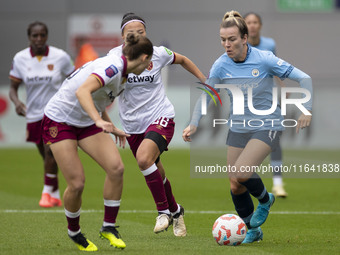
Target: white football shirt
(42, 78)
(64, 106)
(143, 101)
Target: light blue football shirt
(266, 43)
(255, 72)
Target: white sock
(108, 224)
(277, 180)
(55, 194)
(167, 211)
(72, 233)
(178, 210)
(47, 189)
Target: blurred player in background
(249, 146)
(147, 114)
(41, 68)
(254, 23)
(76, 116)
(85, 52)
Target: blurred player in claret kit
(147, 114)
(42, 69)
(254, 23)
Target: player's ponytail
(234, 18)
(136, 45)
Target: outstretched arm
(187, 64)
(204, 101)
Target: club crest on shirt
(53, 131)
(111, 71)
(255, 72)
(150, 66)
(159, 127)
(50, 67)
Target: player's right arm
(197, 113)
(20, 107)
(84, 96)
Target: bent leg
(66, 155)
(103, 150)
(241, 198)
(146, 155)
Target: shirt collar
(248, 52)
(45, 54)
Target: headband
(133, 20)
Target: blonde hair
(234, 18)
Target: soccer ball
(229, 229)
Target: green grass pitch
(307, 222)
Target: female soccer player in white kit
(75, 116)
(246, 67)
(42, 69)
(147, 114)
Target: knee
(144, 162)
(77, 185)
(116, 171)
(236, 188)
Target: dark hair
(255, 14)
(130, 16)
(36, 23)
(136, 45)
(234, 18)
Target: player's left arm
(188, 65)
(305, 82)
(120, 135)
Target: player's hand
(20, 109)
(106, 126)
(120, 136)
(187, 132)
(303, 121)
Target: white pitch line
(187, 211)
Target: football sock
(51, 180)
(56, 194)
(167, 211)
(277, 167)
(244, 206)
(73, 222)
(277, 180)
(256, 188)
(111, 208)
(47, 189)
(154, 181)
(173, 206)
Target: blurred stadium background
(307, 33)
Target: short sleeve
(15, 72)
(105, 72)
(166, 56)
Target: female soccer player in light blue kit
(254, 23)
(248, 146)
